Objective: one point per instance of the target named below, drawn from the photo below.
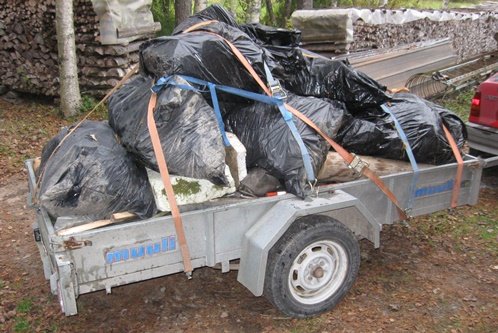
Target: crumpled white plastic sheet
(383, 16)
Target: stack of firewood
(28, 49)
(469, 37)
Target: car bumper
(483, 138)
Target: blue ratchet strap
(274, 85)
(279, 102)
(280, 94)
(217, 112)
(168, 80)
(409, 152)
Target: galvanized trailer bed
(247, 229)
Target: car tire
(312, 266)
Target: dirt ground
(438, 273)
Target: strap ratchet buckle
(277, 91)
(357, 164)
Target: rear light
(475, 107)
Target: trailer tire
(312, 266)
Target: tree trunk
(183, 9)
(68, 67)
(232, 6)
(253, 11)
(445, 4)
(199, 5)
(271, 14)
(304, 4)
(288, 8)
(384, 3)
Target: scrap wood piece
(36, 164)
(335, 171)
(115, 218)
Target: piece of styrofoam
(188, 190)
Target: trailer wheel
(312, 266)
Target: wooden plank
(36, 164)
(85, 227)
(115, 218)
(334, 169)
(123, 216)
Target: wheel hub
(318, 271)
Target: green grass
(25, 305)
(480, 227)
(22, 325)
(316, 324)
(458, 102)
(53, 328)
(88, 103)
(7, 151)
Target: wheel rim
(318, 272)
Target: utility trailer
(303, 255)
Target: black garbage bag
(278, 45)
(205, 54)
(258, 183)
(271, 36)
(270, 144)
(187, 126)
(372, 132)
(374, 138)
(200, 55)
(452, 122)
(213, 12)
(336, 80)
(92, 176)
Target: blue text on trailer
(166, 244)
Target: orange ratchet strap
(163, 169)
(458, 178)
(353, 161)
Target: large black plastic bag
(271, 36)
(336, 80)
(375, 138)
(214, 12)
(92, 176)
(270, 144)
(205, 54)
(452, 122)
(201, 55)
(187, 126)
(372, 132)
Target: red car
(482, 126)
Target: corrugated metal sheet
(393, 67)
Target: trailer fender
(261, 237)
